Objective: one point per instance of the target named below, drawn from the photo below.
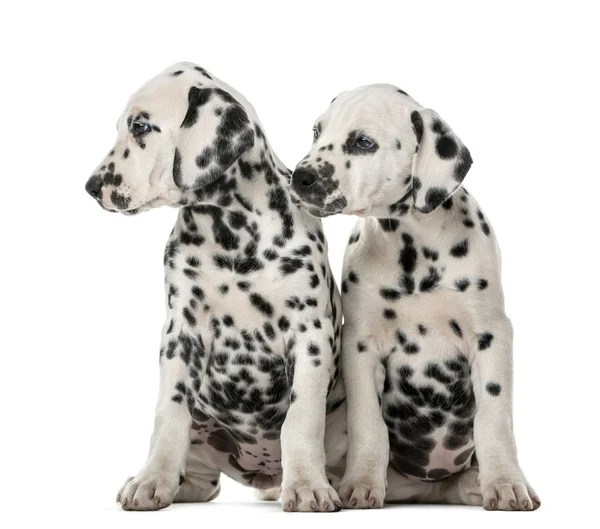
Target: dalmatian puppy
(249, 360)
(427, 346)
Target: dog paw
(149, 491)
(307, 498)
(362, 494)
(506, 494)
(469, 489)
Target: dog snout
(93, 186)
(303, 177)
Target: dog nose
(93, 186)
(303, 177)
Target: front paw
(304, 497)
(365, 493)
(509, 494)
(150, 490)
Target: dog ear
(214, 133)
(440, 163)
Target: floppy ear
(440, 163)
(214, 133)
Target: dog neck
(257, 185)
(403, 214)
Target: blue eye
(364, 143)
(138, 128)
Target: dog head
(180, 131)
(377, 152)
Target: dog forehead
(373, 106)
(161, 97)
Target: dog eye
(138, 128)
(364, 143)
(315, 133)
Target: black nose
(93, 186)
(303, 177)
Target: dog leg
(503, 484)
(202, 483)
(304, 483)
(364, 483)
(157, 483)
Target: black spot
(354, 238)
(456, 328)
(437, 473)
(429, 253)
(389, 314)
(463, 457)
(482, 284)
(408, 254)
(463, 165)
(120, 201)
(187, 314)
(462, 284)
(401, 337)
(434, 197)
(270, 254)
(493, 388)
(310, 301)
(485, 340)
(460, 249)
(261, 304)
(422, 329)
(389, 224)
(353, 277)
(313, 349)
(227, 320)
(290, 265)
(244, 286)
(411, 348)
(283, 323)
(430, 281)
(447, 204)
(389, 294)
(197, 97)
(361, 347)
(417, 123)
(202, 71)
(485, 227)
(446, 147)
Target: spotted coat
(427, 347)
(250, 349)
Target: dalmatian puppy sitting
(250, 347)
(427, 346)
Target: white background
(82, 289)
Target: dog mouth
(129, 210)
(334, 207)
